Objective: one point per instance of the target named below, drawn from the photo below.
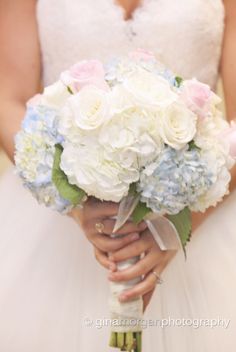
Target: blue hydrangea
(169, 76)
(176, 179)
(43, 119)
(35, 148)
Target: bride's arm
(20, 80)
(228, 62)
(228, 74)
(19, 65)
(228, 66)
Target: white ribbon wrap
(163, 231)
(127, 317)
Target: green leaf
(192, 146)
(133, 189)
(69, 90)
(183, 225)
(72, 193)
(139, 212)
(178, 81)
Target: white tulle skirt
(53, 294)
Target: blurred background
(5, 163)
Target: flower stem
(126, 341)
(120, 340)
(129, 341)
(113, 340)
(138, 341)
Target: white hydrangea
(89, 168)
(134, 133)
(217, 163)
(127, 122)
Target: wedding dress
(53, 294)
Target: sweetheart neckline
(121, 10)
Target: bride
(53, 294)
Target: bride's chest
(157, 18)
(174, 30)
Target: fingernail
(135, 237)
(110, 257)
(142, 225)
(112, 267)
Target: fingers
(141, 289)
(94, 209)
(76, 214)
(98, 209)
(142, 267)
(146, 287)
(134, 249)
(107, 244)
(131, 227)
(103, 259)
(109, 224)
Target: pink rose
(197, 96)
(142, 54)
(229, 136)
(84, 73)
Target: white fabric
(186, 35)
(126, 315)
(50, 282)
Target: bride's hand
(96, 212)
(154, 260)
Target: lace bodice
(186, 35)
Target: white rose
(120, 99)
(55, 95)
(89, 108)
(89, 168)
(67, 127)
(177, 125)
(149, 90)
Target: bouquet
(132, 132)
